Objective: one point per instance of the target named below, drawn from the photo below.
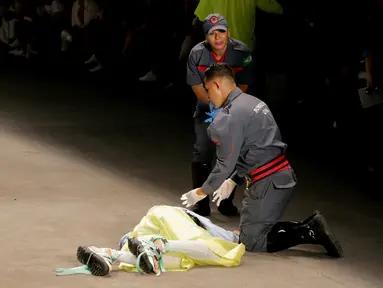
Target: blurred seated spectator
(84, 14)
(166, 27)
(193, 30)
(40, 31)
(11, 17)
(107, 37)
(374, 52)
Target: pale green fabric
(73, 271)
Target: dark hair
(219, 70)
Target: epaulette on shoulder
(199, 47)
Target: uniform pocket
(285, 179)
(258, 190)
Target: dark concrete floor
(82, 162)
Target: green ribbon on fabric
(73, 271)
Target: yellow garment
(269, 6)
(239, 14)
(173, 223)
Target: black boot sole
(97, 265)
(135, 246)
(326, 237)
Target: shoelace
(151, 250)
(104, 255)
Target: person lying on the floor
(173, 239)
(167, 238)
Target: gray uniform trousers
(264, 203)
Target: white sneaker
(98, 260)
(168, 86)
(149, 77)
(91, 60)
(16, 52)
(66, 40)
(65, 45)
(14, 44)
(96, 69)
(187, 45)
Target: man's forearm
(128, 40)
(201, 93)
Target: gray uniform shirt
(238, 56)
(246, 136)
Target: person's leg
(12, 33)
(263, 206)
(156, 36)
(66, 39)
(98, 44)
(107, 46)
(41, 36)
(213, 229)
(202, 160)
(150, 252)
(167, 66)
(71, 37)
(195, 249)
(23, 31)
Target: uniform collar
(233, 94)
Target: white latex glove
(191, 198)
(224, 191)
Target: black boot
(325, 237)
(313, 230)
(200, 172)
(304, 222)
(227, 207)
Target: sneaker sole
(330, 242)
(136, 248)
(97, 265)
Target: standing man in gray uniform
(248, 141)
(218, 47)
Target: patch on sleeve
(259, 106)
(265, 111)
(246, 61)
